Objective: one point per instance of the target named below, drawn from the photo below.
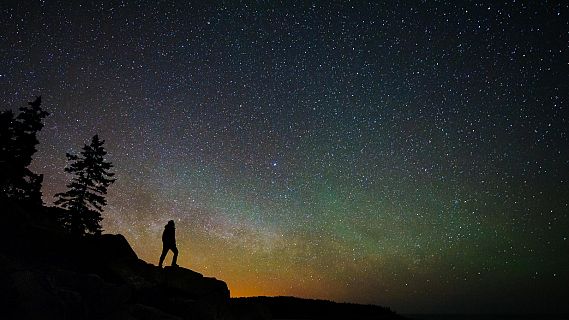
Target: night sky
(410, 155)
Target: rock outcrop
(45, 274)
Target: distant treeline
(297, 308)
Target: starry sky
(413, 155)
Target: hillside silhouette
(46, 273)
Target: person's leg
(175, 258)
(163, 255)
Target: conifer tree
(85, 197)
(18, 140)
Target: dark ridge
(297, 308)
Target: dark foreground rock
(113, 291)
(45, 274)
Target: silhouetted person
(169, 243)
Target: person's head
(171, 222)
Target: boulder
(109, 247)
(195, 285)
(175, 290)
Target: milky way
(414, 156)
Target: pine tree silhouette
(85, 197)
(18, 140)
